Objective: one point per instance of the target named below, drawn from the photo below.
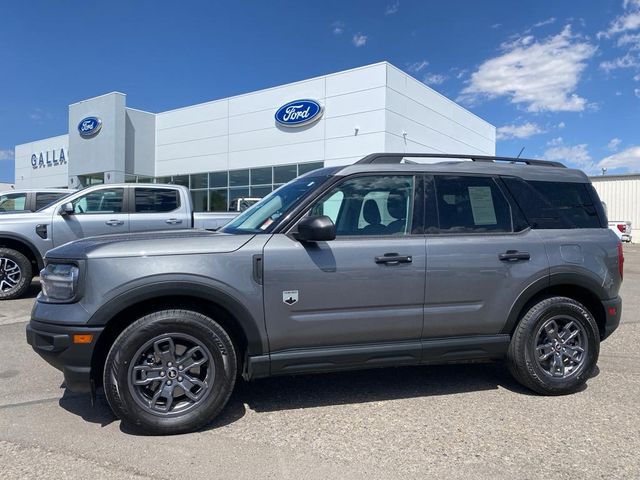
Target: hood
(149, 244)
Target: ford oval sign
(90, 126)
(299, 113)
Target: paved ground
(465, 421)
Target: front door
(98, 212)
(480, 257)
(366, 287)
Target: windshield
(262, 217)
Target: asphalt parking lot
(456, 421)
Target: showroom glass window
(380, 205)
(105, 201)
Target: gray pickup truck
(99, 210)
(381, 263)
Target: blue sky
(560, 78)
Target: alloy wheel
(171, 374)
(10, 274)
(561, 347)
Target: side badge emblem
(290, 297)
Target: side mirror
(316, 229)
(67, 209)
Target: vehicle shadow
(34, 289)
(343, 388)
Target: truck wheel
(170, 372)
(555, 347)
(15, 274)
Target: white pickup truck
(97, 210)
(622, 229)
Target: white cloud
(630, 40)
(496, 25)
(555, 141)
(626, 61)
(6, 155)
(524, 130)
(541, 75)
(416, 67)
(337, 27)
(561, 125)
(623, 23)
(629, 158)
(636, 91)
(575, 155)
(434, 79)
(613, 144)
(392, 8)
(359, 40)
(548, 21)
(637, 77)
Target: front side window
(468, 204)
(380, 205)
(13, 201)
(156, 200)
(108, 200)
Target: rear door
(157, 208)
(364, 288)
(98, 212)
(480, 256)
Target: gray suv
(382, 263)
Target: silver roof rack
(398, 157)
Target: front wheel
(15, 274)
(555, 347)
(170, 372)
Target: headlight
(59, 282)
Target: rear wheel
(555, 347)
(15, 274)
(170, 372)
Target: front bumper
(55, 344)
(613, 313)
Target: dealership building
(247, 145)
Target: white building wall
(622, 196)
(48, 176)
(6, 186)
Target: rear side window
(156, 200)
(555, 205)
(45, 198)
(469, 204)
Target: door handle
(173, 221)
(514, 256)
(394, 259)
(114, 223)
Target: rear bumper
(613, 312)
(54, 343)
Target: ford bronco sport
(385, 262)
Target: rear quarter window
(556, 205)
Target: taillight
(620, 259)
(622, 227)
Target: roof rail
(397, 158)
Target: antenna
(521, 150)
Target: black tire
(524, 360)
(130, 402)
(11, 257)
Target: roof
(527, 169)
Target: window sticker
(482, 207)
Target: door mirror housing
(67, 209)
(319, 228)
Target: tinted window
(552, 205)
(44, 199)
(13, 201)
(156, 200)
(100, 201)
(471, 205)
(376, 205)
